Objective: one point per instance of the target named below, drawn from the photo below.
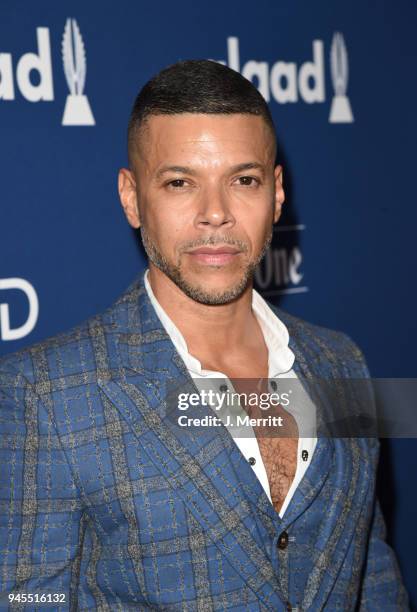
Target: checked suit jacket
(104, 499)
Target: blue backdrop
(341, 82)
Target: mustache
(214, 240)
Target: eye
(248, 181)
(177, 183)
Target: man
(106, 499)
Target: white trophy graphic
(340, 111)
(77, 109)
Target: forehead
(196, 138)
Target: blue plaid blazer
(105, 501)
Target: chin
(214, 292)
(215, 278)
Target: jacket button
(252, 460)
(289, 606)
(283, 540)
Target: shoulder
(66, 354)
(301, 329)
(90, 350)
(324, 345)
(76, 355)
(55, 346)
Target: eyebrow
(177, 169)
(192, 172)
(248, 166)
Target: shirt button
(304, 455)
(283, 540)
(273, 385)
(223, 388)
(252, 460)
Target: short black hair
(196, 86)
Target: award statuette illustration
(77, 108)
(340, 111)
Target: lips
(214, 256)
(214, 251)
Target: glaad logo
(286, 82)
(340, 111)
(40, 62)
(6, 331)
(283, 79)
(77, 109)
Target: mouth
(214, 256)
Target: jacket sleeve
(382, 586)
(41, 516)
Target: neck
(205, 327)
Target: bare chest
(278, 450)
(280, 459)
(278, 445)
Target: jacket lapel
(318, 470)
(344, 504)
(196, 461)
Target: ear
(128, 196)
(279, 192)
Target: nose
(214, 209)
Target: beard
(195, 291)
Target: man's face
(205, 194)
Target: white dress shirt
(280, 362)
